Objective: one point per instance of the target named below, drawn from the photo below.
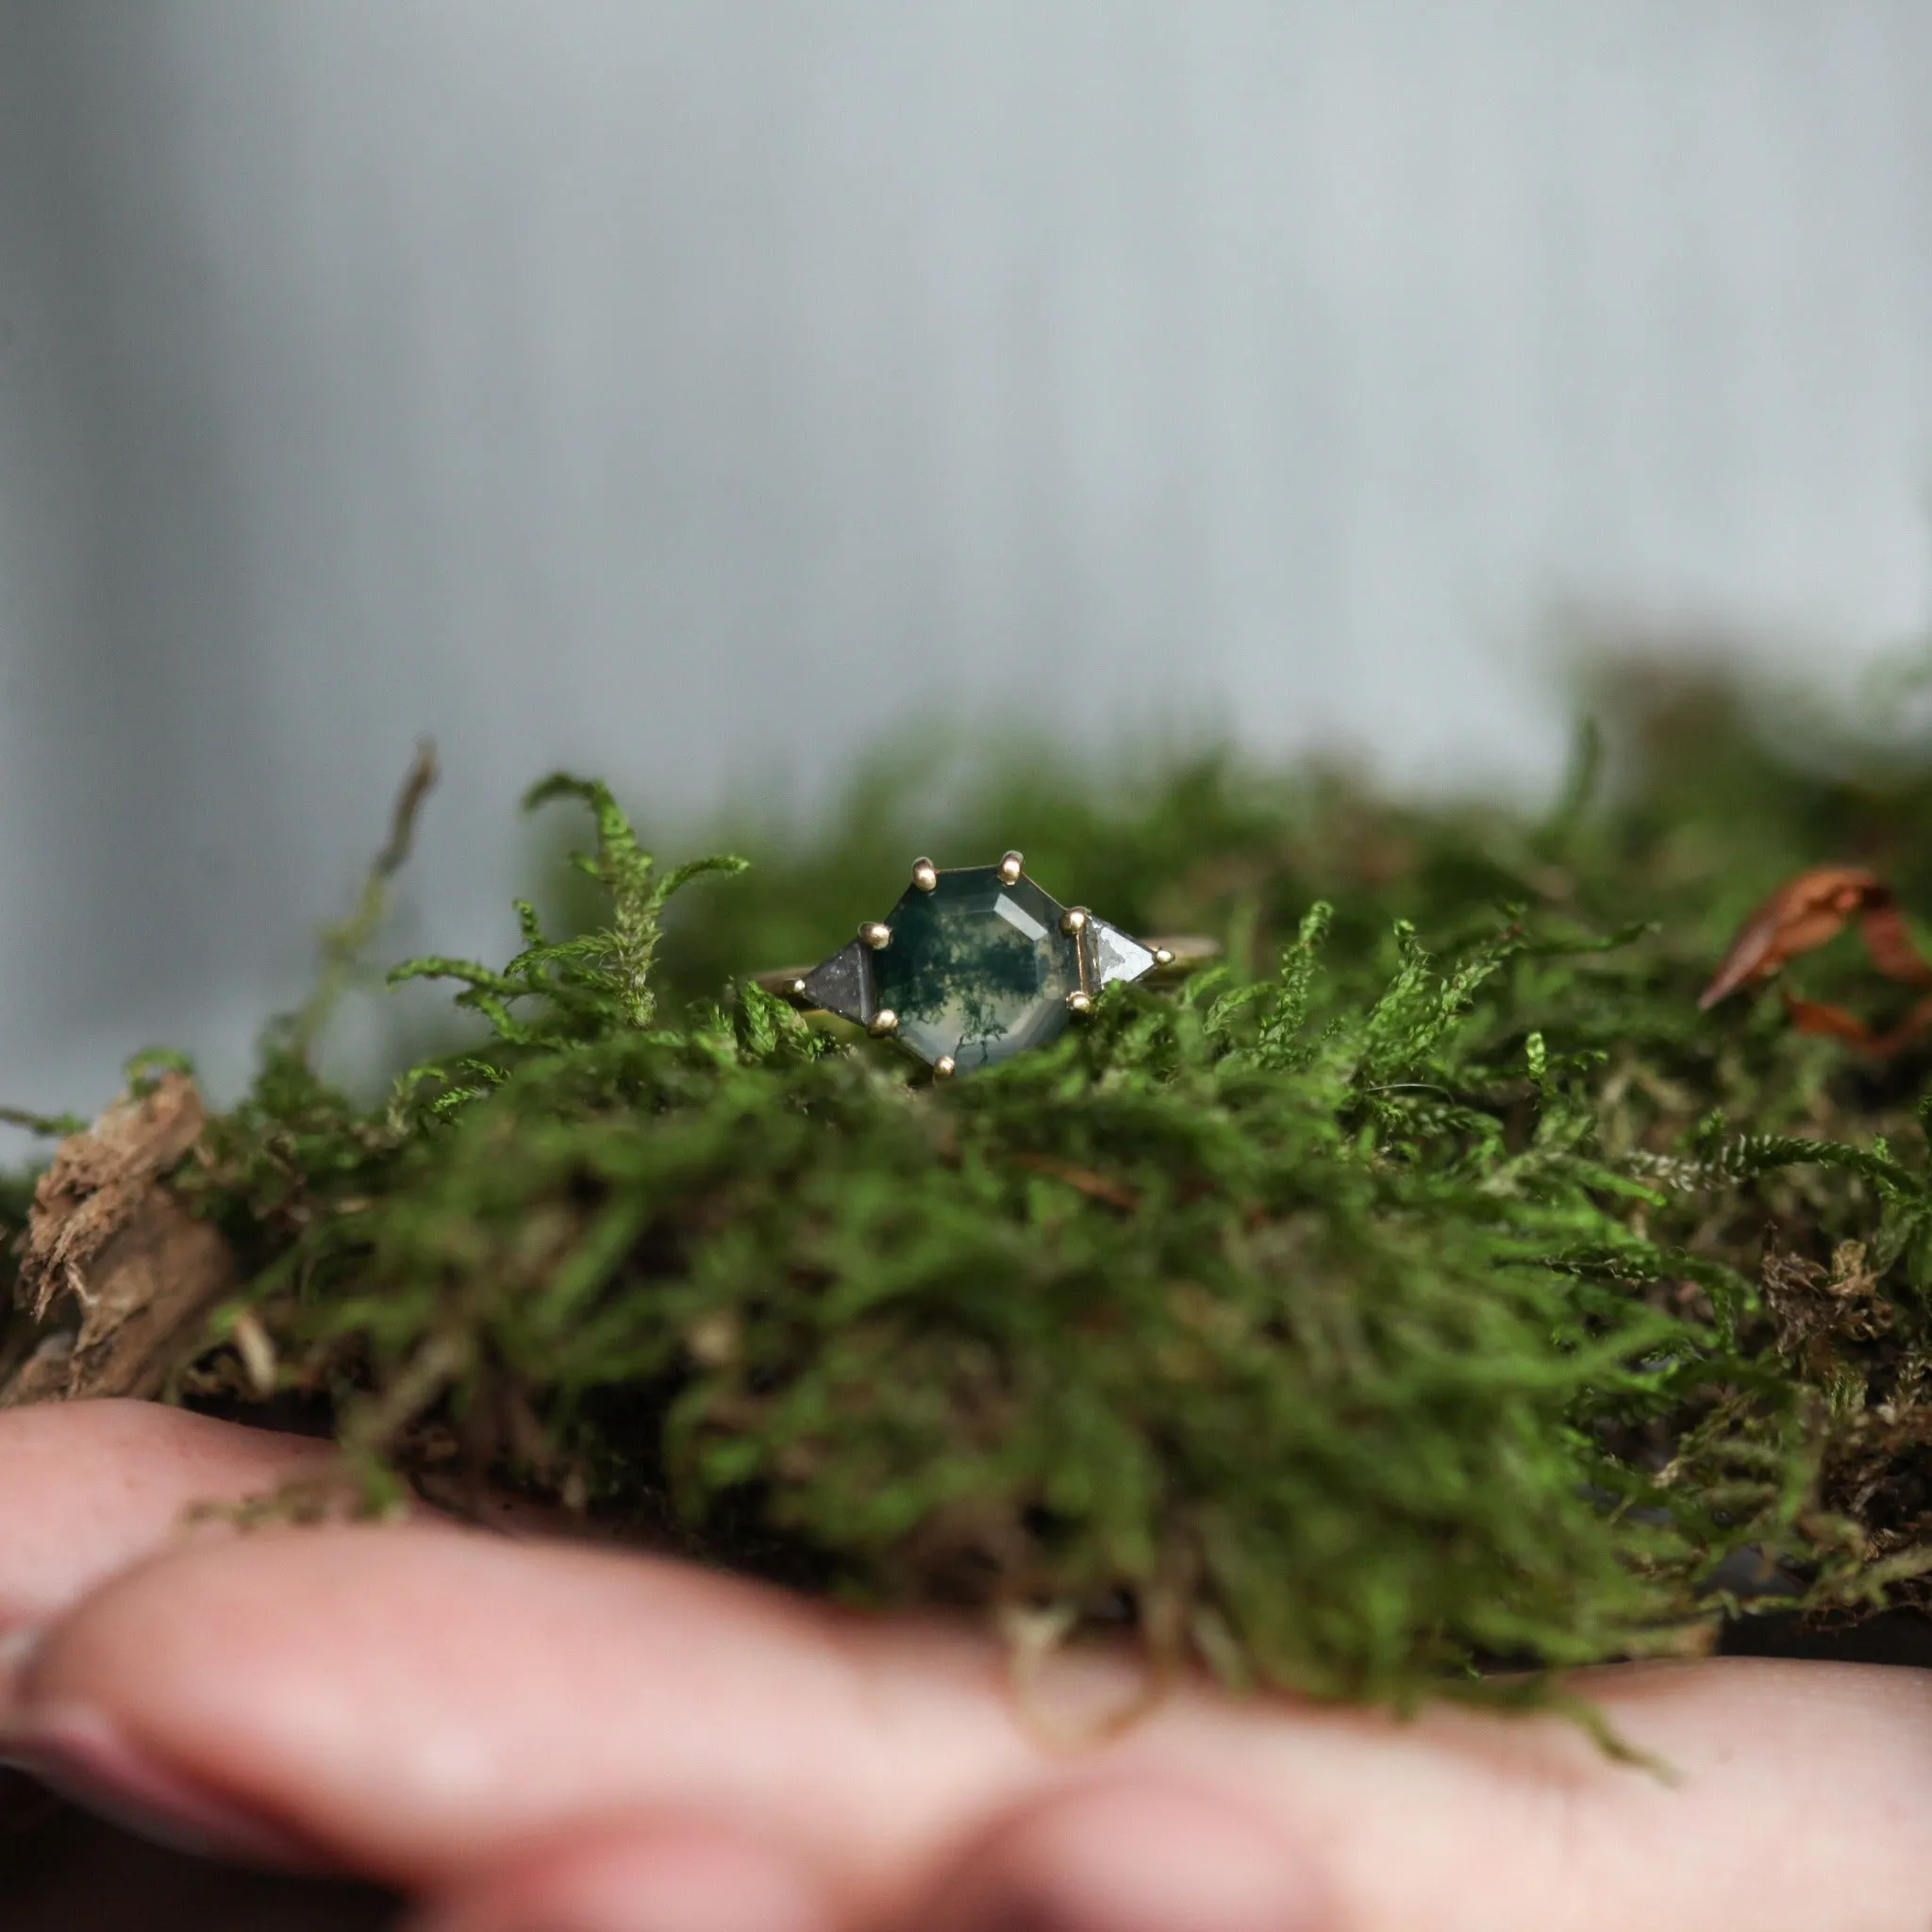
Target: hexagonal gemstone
(978, 969)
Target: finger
(661, 1875)
(1146, 1855)
(87, 1488)
(422, 1706)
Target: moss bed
(1432, 1287)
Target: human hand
(548, 1738)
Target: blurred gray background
(693, 392)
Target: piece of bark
(105, 1234)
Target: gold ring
(977, 963)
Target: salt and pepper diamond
(974, 966)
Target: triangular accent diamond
(1116, 955)
(843, 984)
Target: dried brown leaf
(1804, 914)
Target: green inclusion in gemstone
(976, 968)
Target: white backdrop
(691, 391)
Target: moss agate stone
(978, 969)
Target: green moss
(1432, 1285)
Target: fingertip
(87, 1488)
(660, 1876)
(1141, 1856)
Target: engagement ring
(977, 964)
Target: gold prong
(944, 1067)
(1011, 866)
(883, 1023)
(1078, 1001)
(925, 874)
(1162, 956)
(1074, 919)
(876, 934)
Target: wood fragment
(1095, 1186)
(258, 1353)
(108, 1242)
